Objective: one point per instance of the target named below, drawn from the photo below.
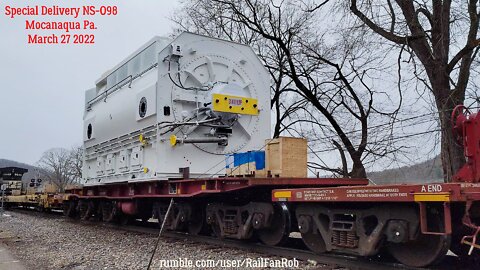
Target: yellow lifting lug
(235, 104)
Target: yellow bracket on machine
(235, 104)
(142, 139)
(173, 140)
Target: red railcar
(416, 223)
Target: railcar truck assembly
(416, 223)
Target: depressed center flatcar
(158, 126)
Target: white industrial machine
(175, 106)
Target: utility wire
(375, 126)
(391, 123)
(385, 140)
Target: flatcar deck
(201, 187)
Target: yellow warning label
(431, 197)
(282, 194)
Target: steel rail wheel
(91, 209)
(197, 223)
(109, 211)
(311, 237)
(124, 219)
(280, 226)
(314, 242)
(159, 212)
(69, 209)
(426, 249)
(84, 210)
(216, 230)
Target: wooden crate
(260, 173)
(243, 169)
(286, 157)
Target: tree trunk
(358, 170)
(451, 150)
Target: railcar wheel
(98, 212)
(280, 226)
(109, 211)
(310, 235)
(92, 209)
(159, 212)
(69, 209)
(216, 231)
(197, 223)
(83, 210)
(314, 242)
(124, 219)
(425, 250)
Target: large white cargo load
(175, 104)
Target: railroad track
(296, 249)
(298, 252)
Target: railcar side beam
(200, 187)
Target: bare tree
(76, 162)
(442, 39)
(60, 166)
(319, 90)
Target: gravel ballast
(50, 241)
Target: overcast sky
(42, 86)
(42, 91)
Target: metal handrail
(120, 84)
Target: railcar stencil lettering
(432, 188)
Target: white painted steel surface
(137, 97)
